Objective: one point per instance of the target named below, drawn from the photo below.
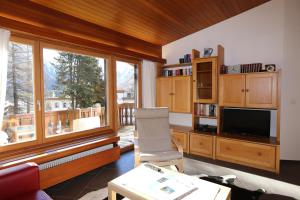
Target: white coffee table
(131, 184)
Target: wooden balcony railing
(16, 123)
(126, 114)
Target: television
(246, 122)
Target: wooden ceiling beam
(26, 16)
(44, 34)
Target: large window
(53, 93)
(74, 92)
(18, 124)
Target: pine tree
(79, 78)
(19, 78)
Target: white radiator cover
(76, 156)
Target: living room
(226, 70)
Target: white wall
(290, 131)
(267, 34)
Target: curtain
(149, 83)
(4, 39)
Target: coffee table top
(143, 183)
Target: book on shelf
(177, 72)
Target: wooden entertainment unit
(256, 90)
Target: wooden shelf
(249, 138)
(177, 65)
(204, 71)
(249, 73)
(174, 76)
(206, 116)
(205, 87)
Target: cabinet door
(261, 90)
(201, 145)
(163, 92)
(181, 94)
(205, 80)
(182, 139)
(261, 156)
(232, 90)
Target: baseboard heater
(59, 170)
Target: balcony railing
(126, 114)
(22, 124)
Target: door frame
(138, 66)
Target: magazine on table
(161, 184)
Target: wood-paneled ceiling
(155, 21)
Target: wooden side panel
(261, 90)
(163, 92)
(251, 154)
(55, 175)
(181, 138)
(232, 90)
(182, 92)
(201, 145)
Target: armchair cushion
(153, 130)
(160, 156)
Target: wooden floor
(126, 134)
(93, 180)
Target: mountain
(125, 78)
(49, 76)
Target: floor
(98, 178)
(289, 170)
(126, 134)
(91, 181)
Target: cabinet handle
(247, 90)
(243, 90)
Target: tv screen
(246, 122)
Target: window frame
(37, 113)
(76, 134)
(41, 140)
(138, 66)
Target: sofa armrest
(17, 180)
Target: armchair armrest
(177, 145)
(17, 180)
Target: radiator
(76, 156)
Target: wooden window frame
(138, 65)
(37, 113)
(108, 80)
(41, 140)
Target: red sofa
(21, 182)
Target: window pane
(74, 91)
(18, 123)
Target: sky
(49, 54)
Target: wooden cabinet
(257, 155)
(164, 92)
(205, 80)
(232, 90)
(174, 93)
(253, 90)
(201, 144)
(182, 139)
(261, 90)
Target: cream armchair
(153, 139)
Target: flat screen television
(246, 122)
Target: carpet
(276, 190)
